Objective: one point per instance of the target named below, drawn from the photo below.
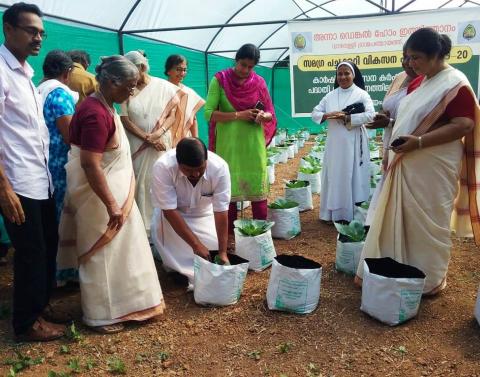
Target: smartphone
(259, 105)
(397, 142)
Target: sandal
(41, 331)
(109, 329)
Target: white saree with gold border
(117, 274)
(412, 221)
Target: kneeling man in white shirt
(191, 195)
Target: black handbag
(354, 108)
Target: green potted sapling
(311, 174)
(285, 213)
(350, 242)
(300, 192)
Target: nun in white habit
(345, 174)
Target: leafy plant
(22, 362)
(313, 161)
(90, 364)
(317, 148)
(402, 350)
(284, 347)
(312, 370)
(255, 355)
(219, 261)
(73, 334)
(364, 205)
(64, 349)
(74, 365)
(282, 203)
(355, 231)
(163, 356)
(309, 170)
(116, 366)
(296, 184)
(52, 373)
(252, 228)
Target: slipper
(40, 331)
(109, 329)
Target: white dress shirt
(24, 137)
(171, 189)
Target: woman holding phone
(242, 122)
(345, 174)
(437, 128)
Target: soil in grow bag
(297, 261)
(233, 258)
(392, 269)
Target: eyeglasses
(180, 69)
(33, 32)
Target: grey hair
(115, 68)
(137, 58)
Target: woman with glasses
(176, 70)
(149, 116)
(101, 226)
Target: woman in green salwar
(242, 122)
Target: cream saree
(118, 278)
(154, 109)
(411, 223)
(190, 104)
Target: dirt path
(249, 340)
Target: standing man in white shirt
(26, 188)
(191, 195)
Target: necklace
(346, 101)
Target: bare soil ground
(249, 340)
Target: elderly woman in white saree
(176, 71)
(151, 116)
(412, 222)
(101, 228)
(345, 173)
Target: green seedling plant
(73, 334)
(317, 148)
(255, 355)
(312, 370)
(284, 347)
(116, 366)
(163, 356)
(312, 161)
(252, 228)
(52, 373)
(22, 362)
(282, 203)
(293, 184)
(309, 170)
(74, 365)
(64, 349)
(355, 231)
(365, 205)
(219, 261)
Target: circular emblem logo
(300, 42)
(469, 32)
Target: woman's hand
(249, 115)
(379, 121)
(262, 116)
(117, 218)
(410, 144)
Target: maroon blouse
(92, 126)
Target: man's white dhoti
(174, 252)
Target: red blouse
(463, 105)
(92, 126)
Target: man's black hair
(191, 152)
(12, 14)
(79, 56)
